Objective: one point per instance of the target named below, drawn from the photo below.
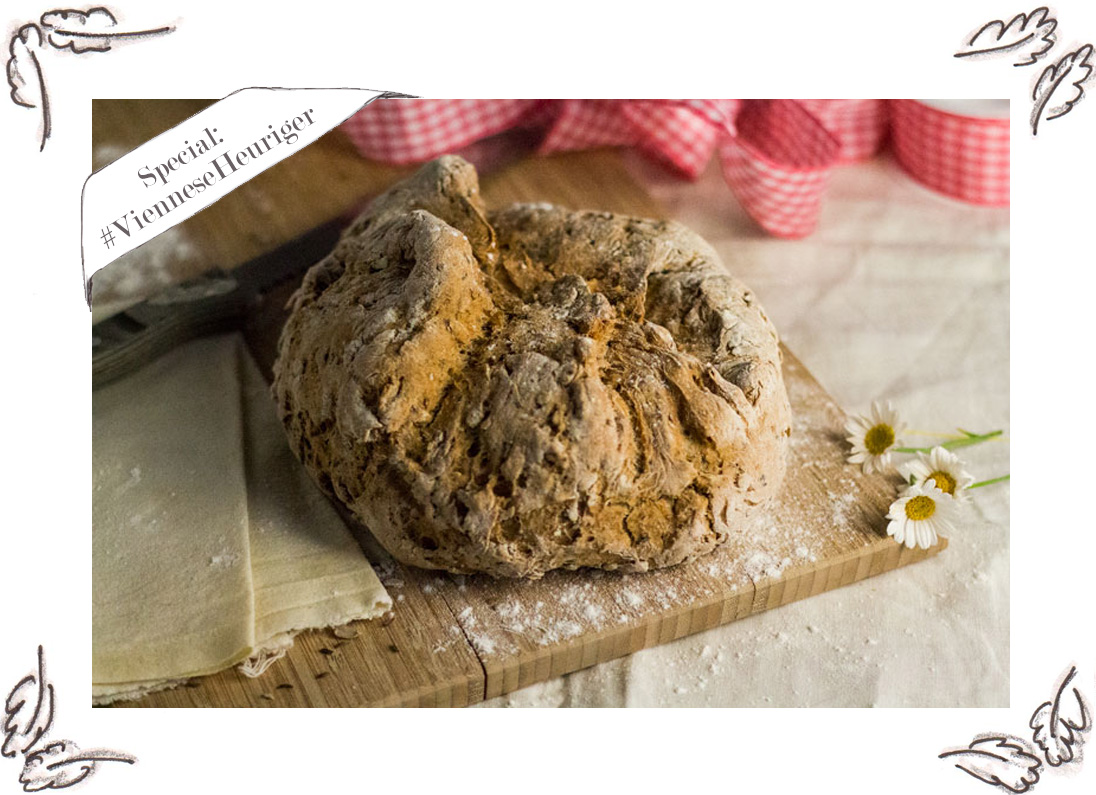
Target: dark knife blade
(217, 301)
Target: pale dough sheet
(307, 569)
(171, 578)
(211, 545)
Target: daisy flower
(920, 514)
(874, 437)
(943, 468)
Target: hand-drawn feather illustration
(1061, 82)
(28, 710)
(1058, 724)
(28, 86)
(1027, 37)
(999, 760)
(77, 30)
(93, 30)
(62, 764)
(46, 764)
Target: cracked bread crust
(533, 388)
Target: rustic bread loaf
(530, 389)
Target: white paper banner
(168, 179)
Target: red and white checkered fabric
(859, 125)
(415, 130)
(683, 134)
(777, 165)
(776, 154)
(961, 156)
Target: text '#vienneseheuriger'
(220, 166)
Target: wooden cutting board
(456, 640)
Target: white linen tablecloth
(901, 295)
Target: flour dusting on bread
(517, 391)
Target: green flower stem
(966, 440)
(990, 482)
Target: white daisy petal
(873, 437)
(920, 523)
(913, 533)
(950, 476)
(915, 467)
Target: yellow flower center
(920, 508)
(944, 482)
(879, 438)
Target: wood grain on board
(456, 640)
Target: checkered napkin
(775, 154)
